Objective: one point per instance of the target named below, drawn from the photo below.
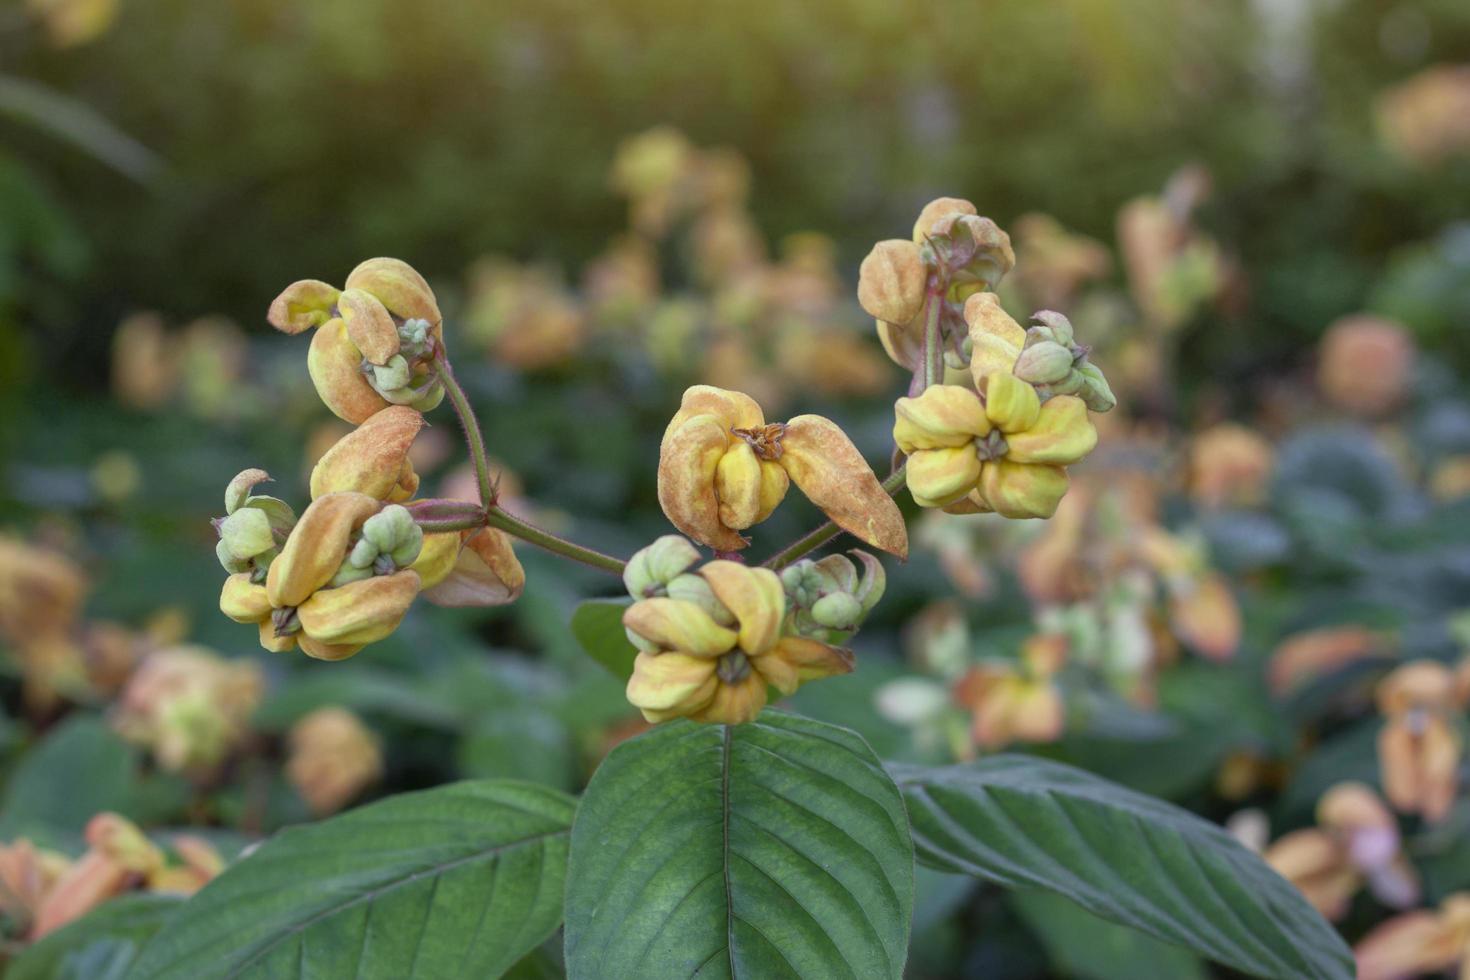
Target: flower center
(733, 667)
(992, 446)
(766, 440)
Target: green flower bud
(1095, 390)
(430, 399)
(838, 611)
(231, 564)
(874, 582)
(247, 533)
(389, 528)
(363, 554)
(643, 645)
(238, 491)
(1045, 363)
(281, 516)
(649, 572)
(1059, 325)
(350, 573)
(414, 338)
(693, 588)
(408, 549)
(838, 573)
(391, 376)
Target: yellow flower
(373, 458)
(375, 340)
(190, 707)
(338, 584)
(723, 469)
(693, 666)
(1419, 746)
(1011, 703)
(1004, 452)
(1419, 943)
(334, 757)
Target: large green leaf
(459, 881)
(778, 848)
(99, 946)
(598, 626)
(1025, 822)
(100, 774)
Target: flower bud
(651, 569)
(1045, 363)
(1095, 391)
(238, 491)
(693, 588)
(891, 281)
(246, 533)
(334, 757)
(838, 610)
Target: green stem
(473, 437)
(441, 525)
(514, 526)
(933, 349)
(494, 516)
(819, 536)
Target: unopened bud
(391, 376)
(650, 570)
(1095, 390)
(693, 588)
(239, 489)
(1045, 363)
(1058, 325)
(838, 611)
(390, 528)
(246, 533)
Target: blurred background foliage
(1272, 524)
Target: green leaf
(519, 742)
(1023, 822)
(1084, 946)
(459, 881)
(101, 944)
(598, 626)
(101, 774)
(777, 848)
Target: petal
(1013, 405)
(399, 287)
(371, 459)
(327, 651)
(810, 659)
(316, 546)
(359, 612)
(369, 325)
(941, 477)
(995, 339)
(827, 467)
(734, 704)
(486, 572)
(774, 484)
(674, 624)
(270, 641)
(938, 216)
(436, 559)
(754, 596)
(302, 305)
(670, 684)
(734, 409)
(1062, 433)
(904, 343)
(687, 464)
(244, 601)
(738, 486)
(335, 365)
(1019, 490)
(944, 416)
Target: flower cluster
(713, 639)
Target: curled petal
(810, 659)
(674, 624)
(302, 305)
(359, 612)
(239, 488)
(273, 643)
(1409, 945)
(824, 463)
(486, 572)
(687, 464)
(327, 651)
(904, 343)
(244, 601)
(891, 281)
(738, 486)
(666, 685)
(369, 325)
(1012, 404)
(734, 409)
(944, 416)
(335, 365)
(995, 339)
(754, 596)
(1062, 434)
(399, 287)
(373, 459)
(942, 477)
(316, 546)
(939, 216)
(1019, 490)
(436, 559)
(734, 704)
